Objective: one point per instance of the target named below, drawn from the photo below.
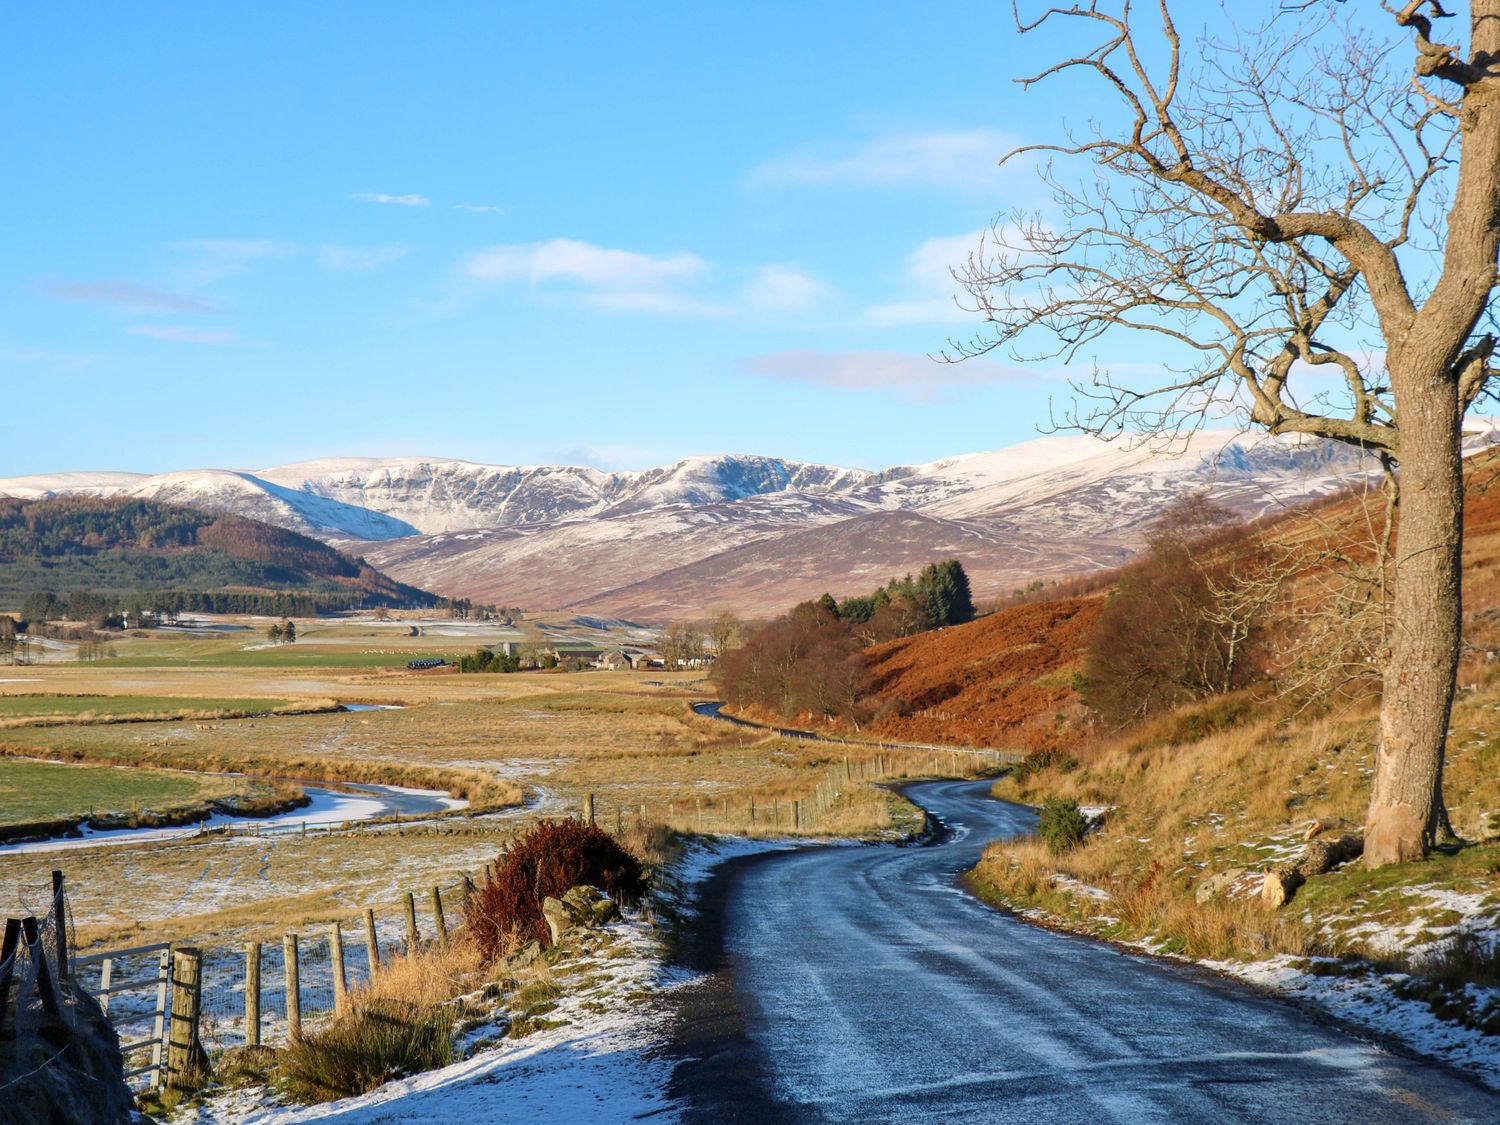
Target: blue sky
(608, 234)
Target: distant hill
(746, 531)
(118, 545)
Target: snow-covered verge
(1393, 1005)
(1373, 1000)
(598, 1058)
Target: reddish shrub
(551, 858)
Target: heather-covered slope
(1005, 681)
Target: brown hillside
(1001, 681)
(1004, 680)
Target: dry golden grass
(1236, 800)
(631, 743)
(426, 979)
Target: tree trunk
(1406, 806)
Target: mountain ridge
(644, 542)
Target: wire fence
(55, 1048)
(270, 993)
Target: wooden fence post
(439, 923)
(187, 1061)
(588, 807)
(252, 994)
(413, 936)
(293, 987)
(372, 943)
(60, 916)
(340, 976)
(797, 814)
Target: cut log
(1280, 885)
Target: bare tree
(723, 630)
(1309, 226)
(681, 645)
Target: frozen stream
(349, 803)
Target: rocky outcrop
(1215, 885)
(580, 908)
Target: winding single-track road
(864, 984)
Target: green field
(285, 656)
(84, 707)
(40, 791)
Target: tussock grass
(358, 1052)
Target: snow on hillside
(546, 536)
(43, 486)
(220, 490)
(439, 496)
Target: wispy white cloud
(604, 276)
(583, 263)
(479, 208)
(179, 334)
(631, 281)
(783, 289)
(959, 158)
(931, 293)
(126, 294)
(919, 376)
(213, 259)
(411, 200)
(341, 258)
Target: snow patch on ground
(600, 1065)
(1372, 1002)
(604, 1063)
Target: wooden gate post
(439, 923)
(340, 977)
(413, 935)
(588, 808)
(106, 978)
(293, 977)
(372, 943)
(159, 1023)
(252, 994)
(187, 1061)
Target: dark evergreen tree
(943, 590)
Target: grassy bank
(1194, 807)
(59, 710)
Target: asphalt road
(864, 984)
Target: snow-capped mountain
(438, 496)
(708, 531)
(222, 490)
